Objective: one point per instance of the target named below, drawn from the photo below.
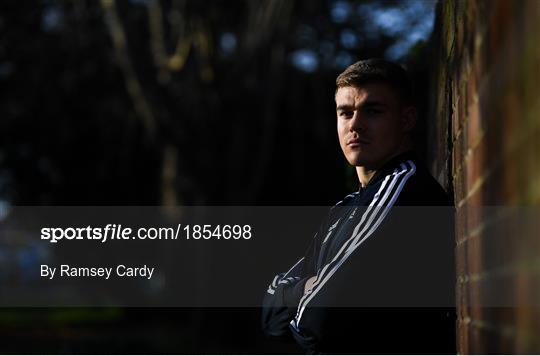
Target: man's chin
(360, 161)
(365, 161)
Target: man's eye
(373, 111)
(345, 113)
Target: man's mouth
(357, 142)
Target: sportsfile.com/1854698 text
(119, 232)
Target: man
(367, 254)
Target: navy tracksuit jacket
(373, 265)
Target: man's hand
(309, 284)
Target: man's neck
(364, 175)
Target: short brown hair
(378, 70)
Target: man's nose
(357, 122)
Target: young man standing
(365, 255)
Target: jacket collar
(389, 167)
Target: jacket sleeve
(281, 299)
(283, 294)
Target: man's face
(371, 122)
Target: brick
(493, 73)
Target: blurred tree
(181, 102)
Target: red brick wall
(485, 144)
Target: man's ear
(409, 117)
